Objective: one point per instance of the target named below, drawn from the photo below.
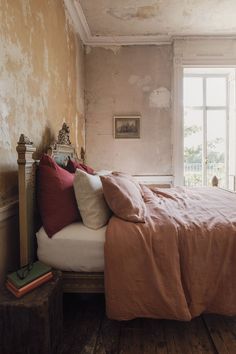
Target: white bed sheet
(74, 248)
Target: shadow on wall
(48, 138)
(8, 178)
(9, 245)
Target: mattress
(74, 248)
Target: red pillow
(72, 165)
(57, 203)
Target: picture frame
(127, 127)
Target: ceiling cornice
(80, 23)
(82, 28)
(128, 40)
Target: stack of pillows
(75, 193)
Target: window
(206, 126)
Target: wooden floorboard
(87, 317)
(108, 337)
(143, 336)
(188, 337)
(222, 330)
(87, 330)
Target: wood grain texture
(80, 282)
(108, 337)
(87, 330)
(26, 181)
(188, 337)
(80, 334)
(33, 323)
(222, 330)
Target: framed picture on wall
(127, 127)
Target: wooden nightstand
(34, 323)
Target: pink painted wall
(127, 81)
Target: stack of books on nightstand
(28, 278)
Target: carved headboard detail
(64, 135)
(27, 168)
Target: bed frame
(28, 158)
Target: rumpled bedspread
(178, 264)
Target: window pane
(193, 130)
(193, 91)
(216, 91)
(216, 146)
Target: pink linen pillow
(124, 197)
(57, 203)
(126, 175)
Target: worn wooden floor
(88, 331)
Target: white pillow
(93, 208)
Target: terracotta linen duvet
(178, 264)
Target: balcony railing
(193, 173)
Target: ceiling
(119, 21)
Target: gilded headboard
(27, 171)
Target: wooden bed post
(26, 181)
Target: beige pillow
(93, 208)
(124, 197)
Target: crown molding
(78, 18)
(128, 40)
(204, 37)
(82, 28)
(82, 19)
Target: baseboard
(9, 210)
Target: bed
(29, 219)
(75, 248)
(177, 263)
(180, 263)
(76, 278)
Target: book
(38, 269)
(29, 287)
(34, 282)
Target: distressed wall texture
(41, 80)
(128, 81)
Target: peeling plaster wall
(127, 81)
(41, 80)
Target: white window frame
(204, 107)
(178, 115)
(198, 52)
